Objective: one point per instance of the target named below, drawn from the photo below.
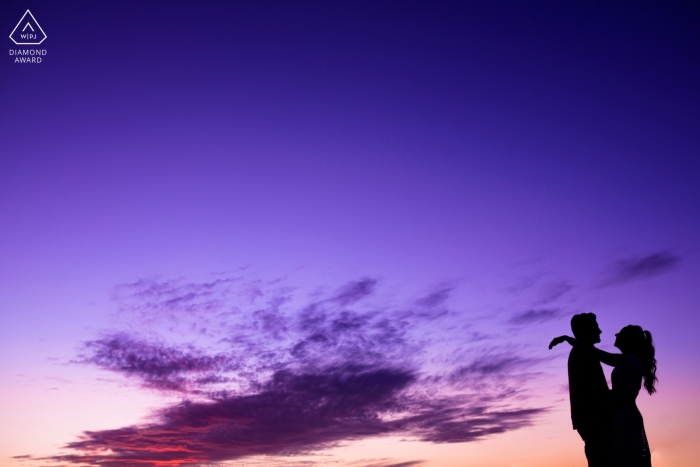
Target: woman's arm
(611, 359)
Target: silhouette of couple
(609, 421)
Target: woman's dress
(628, 440)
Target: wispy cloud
(536, 316)
(158, 366)
(437, 297)
(554, 291)
(356, 290)
(277, 376)
(386, 463)
(494, 363)
(642, 267)
(173, 295)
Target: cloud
(454, 425)
(354, 291)
(158, 366)
(436, 298)
(494, 375)
(181, 307)
(292, 414)
(279, 377)
(172, 295)
(630, 269)
(554, 291)
(387, 463)
(295, 414)
(492, 364)
(536, 316)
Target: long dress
(628, 440)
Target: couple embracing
(609, 421)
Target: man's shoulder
(583, 355)
(581, 351)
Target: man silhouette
(587, 390)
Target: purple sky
(256, 211)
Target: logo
(28, 31)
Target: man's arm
(611, 359)
(558, 340)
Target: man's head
(585, 328)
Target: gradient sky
(341, 233)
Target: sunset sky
(341, 233)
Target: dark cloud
(436, 298)
(536, 316)
(290, 415)
(293, 414)
(644, 267)
(456, 425)
(291, 378)
(158, 366)
(320, 334)
(354, 291)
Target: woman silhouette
(636, 364)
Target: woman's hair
(642, 345)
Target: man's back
(587, 385)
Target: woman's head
(633, 339)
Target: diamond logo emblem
(28, 31)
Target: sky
(341, 233)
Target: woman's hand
(558, 340)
